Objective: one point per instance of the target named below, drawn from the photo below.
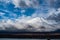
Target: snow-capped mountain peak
(34, 20)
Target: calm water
(25, 39)
(20, 39)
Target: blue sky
(36, 13)
(10, 7)
(28, 10)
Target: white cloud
(16, 2)
(23, 11)
(1, 13)
(25, 3)
(5, 1)
(37, 23)
(53, 11)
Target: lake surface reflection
(24, 39)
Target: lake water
(24, 39)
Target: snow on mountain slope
(35, 22)
(40, 24)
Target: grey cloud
(55, 15)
